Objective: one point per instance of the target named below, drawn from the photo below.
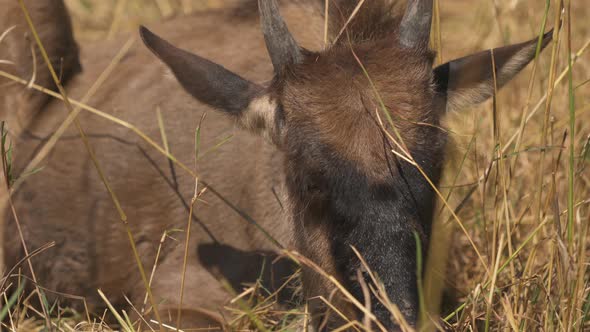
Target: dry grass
(517, 208)
(508, 179)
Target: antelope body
(312, 158)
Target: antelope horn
(415, 25)
(281, 45)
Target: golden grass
(517, 180)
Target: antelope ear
(470, 80)
(217, 87)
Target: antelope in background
(312, 160)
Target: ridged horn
(415, 26)
(281, 45)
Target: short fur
(55, 31)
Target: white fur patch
(260, 118)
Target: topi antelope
(312, 160)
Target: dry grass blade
(490, 299)
(366, 297)
(381, 294)
(139, 314)
(303, 260)
(531, 82)
(350, 18)
(122, 322)
(6, 32)
(196, 196)
(34, 75)
(165, 235)
(326, 22)
(349, 324)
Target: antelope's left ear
(470, 80)
(211, 84)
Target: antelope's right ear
(470, 80)
(217, 87)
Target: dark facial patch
(345, 182)
(337, 207)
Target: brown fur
(378, 19)
(55, 31)
(347, 118)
